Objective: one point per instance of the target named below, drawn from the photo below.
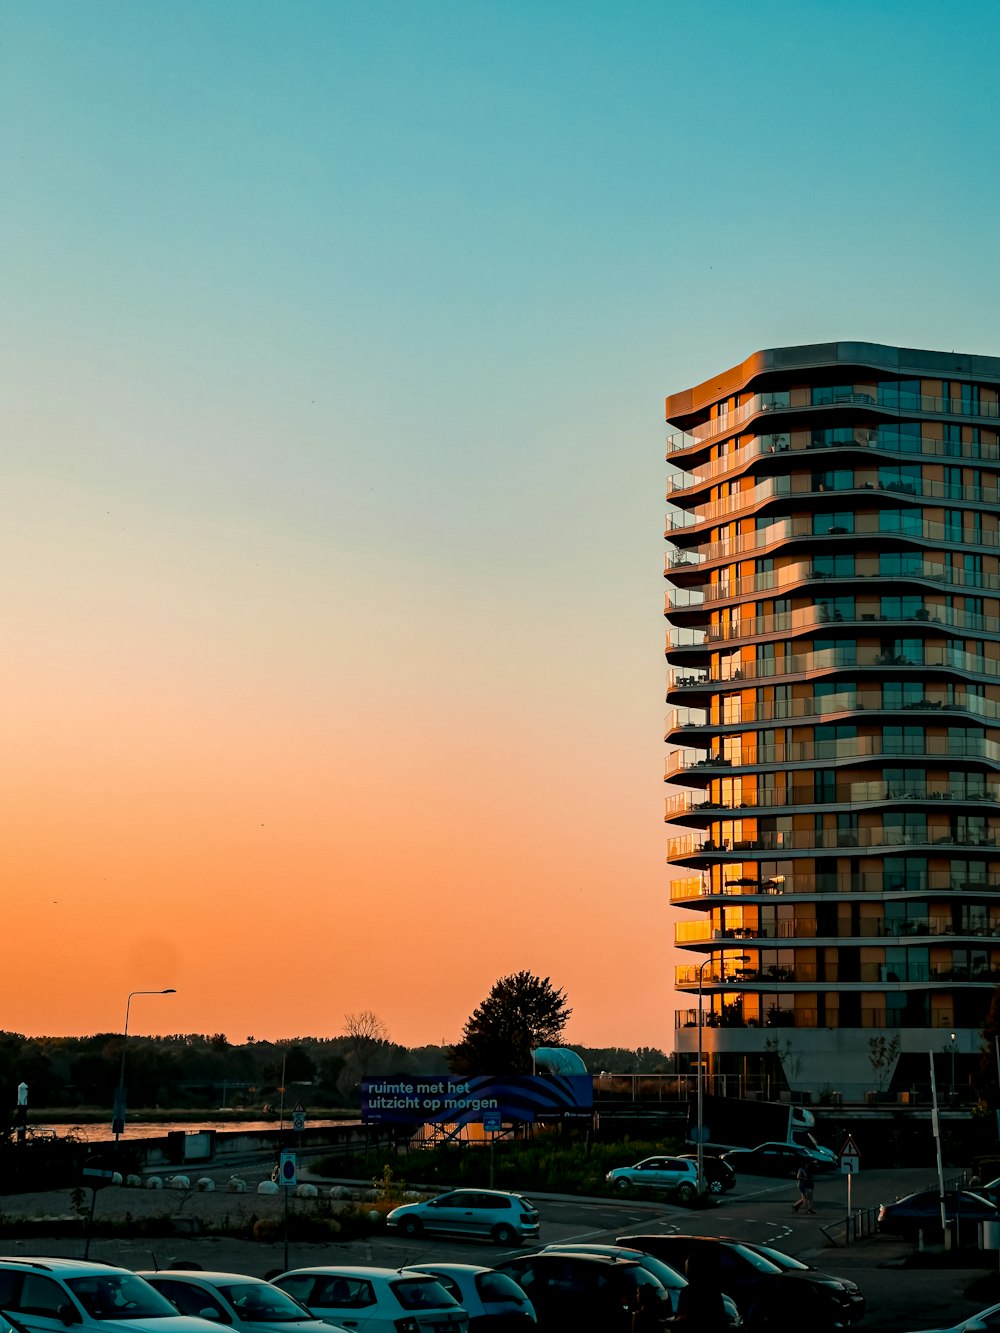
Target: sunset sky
(335, 336)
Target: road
(760, 1210)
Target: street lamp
(953, 1046)
(701, 1093)
(118, 1120)
(740, 958)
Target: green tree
(521, 1012)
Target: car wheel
(505, 1235)
(715, 1187)
(624, 1184)
(686, 1193)
(410, 1226)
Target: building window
(833, 523)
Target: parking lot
(898, 1297)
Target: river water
(139, 1129)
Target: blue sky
(335, 338)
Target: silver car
(375, 1300)
(507, 1219)
(492, 1300)
(235, 1301)
(676, 1175)
(48, 1295)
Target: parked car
(982, 1322)
(583, 1293)
(374, 1300)
(493, 1301)
(246, 1304)
(991, 1190)
(776, 1159)
(675, 1175)
(494, 1215)
(719, 1175)
(672, 1281)
(42, 1294)
(768, 1294)
(922, 1212)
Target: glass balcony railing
(854, 793)
(867, 882)
(802, 528)
(892, 1019)
(779, 402)
(808, 928)
(739, 712)
(932, 655)
(806, 618)
(777, 488)
(779, 580)
(786, 840)
(884, 748)
(802, 442)
(810, 974)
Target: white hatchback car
(375, 1300)
(504, 1218)
(493, 1301)
(246, 1304)
(44, 1295)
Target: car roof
(433, 1266)
(199, 1275)
(607, 1260)
(475, 1189)
(61, 1266)
(343, 1270)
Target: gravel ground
(189, 1211)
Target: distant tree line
(190, 1070)
(194, 1070)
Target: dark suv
(719, 1175)
(770, 1295)
(585, 1293)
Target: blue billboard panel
(453, 1099)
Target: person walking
(804, 1179)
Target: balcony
(740, 713)
(801, 441)
(946, 656)
(769, 841)
(871, 882)
(847, 795)
(694, 762)
(808, 619)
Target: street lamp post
(953, 1046)
(118, 1123)
(701, 1093)
(739, 958)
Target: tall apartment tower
(833, 650)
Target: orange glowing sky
(335, 339)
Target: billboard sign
(455, 1099)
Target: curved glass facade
(833, 646)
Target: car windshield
(421, 1293)
(526, 1205)
(121, 1296)
(759, 1262)
(498, 1287)
(782, 1260)
(664, 1274)
(260, 1303)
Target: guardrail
(861, 1223)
